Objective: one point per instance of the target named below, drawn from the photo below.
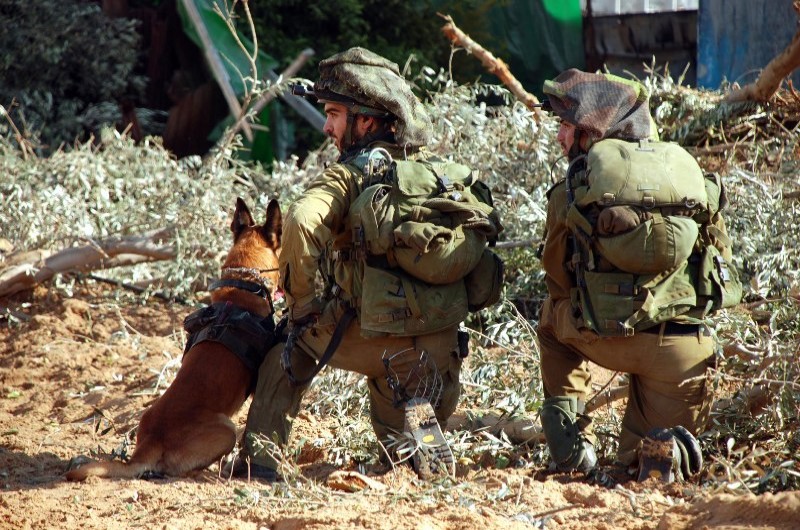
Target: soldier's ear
(242, 218)
(365, 124)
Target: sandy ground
(76, 374)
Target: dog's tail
(108, 469)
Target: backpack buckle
(722, 269)
(358, 236)
(443, 183)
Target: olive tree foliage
(65, 67)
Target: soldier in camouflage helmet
(669, 398)
(413, 381)
(369, 85)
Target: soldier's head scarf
(602, 105)
(373, 83)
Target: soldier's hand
(305, 315)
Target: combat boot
(240, 467)
(669, 455)
(432, 456)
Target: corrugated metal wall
(625, 43)
(738, 38)
(624, 7)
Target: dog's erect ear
(241, 218)
(273, 227)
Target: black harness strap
(336, 339)
(247, 336)
(258, 289)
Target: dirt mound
(780, 511)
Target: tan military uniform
(314, 227)
(666, 364)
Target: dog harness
(246, 335)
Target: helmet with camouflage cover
(367, 83)
(602, 105)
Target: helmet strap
(347, 141)
(576, 149)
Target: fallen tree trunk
(771, 77)
(25, 271)
(492, 64)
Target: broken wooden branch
(771, 77)
(606, 397)
(521, 430)
(25, 271)
(492, 64)
(522, 243)
(140, 290)
(517, 430)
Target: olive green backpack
(420, 232)
(673, 263)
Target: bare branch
(272, 93)
(214, 62)
(522, 243)
(492, 64)
(518, 430)
(32, 268)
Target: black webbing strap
(336, 339)
(248, 336)
(258, 289)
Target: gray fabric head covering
(603, 105)
(370, 80)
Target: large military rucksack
(420, 230)
(649, 242)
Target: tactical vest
(648, 241)
(417, 242)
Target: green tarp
(543, 38)
(537, 38)
(237, 66)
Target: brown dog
(189, 427)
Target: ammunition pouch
(399, 304)
(484, 283)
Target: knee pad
(569, 448)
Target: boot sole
(432, 456)
(689, 444)
(657, 456)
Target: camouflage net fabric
(603, 105)
(376, 82)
